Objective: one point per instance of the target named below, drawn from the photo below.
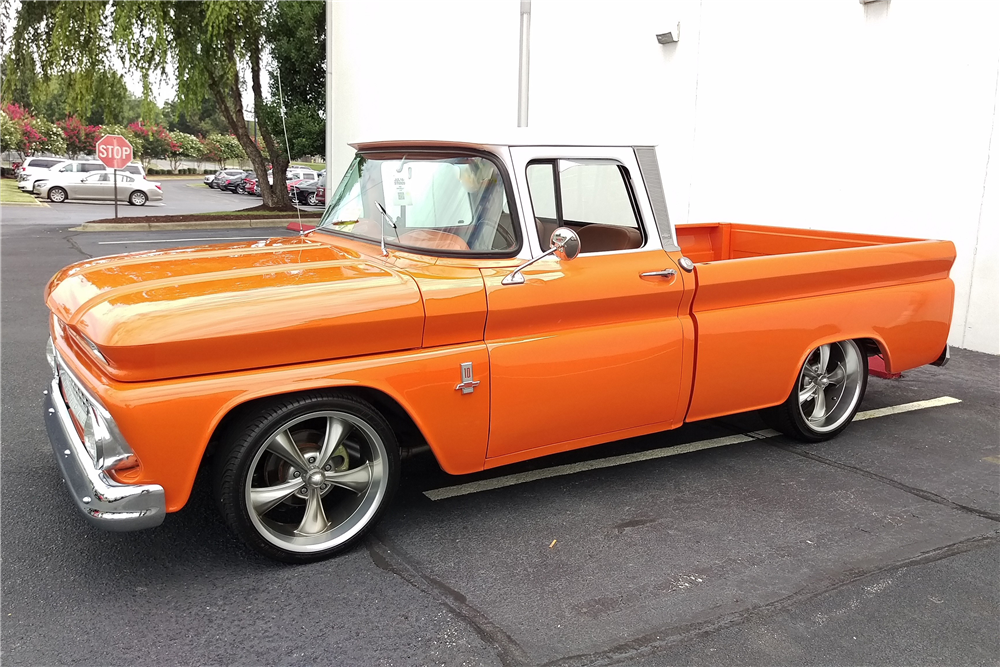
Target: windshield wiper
(385, 253)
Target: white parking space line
(906, 407)
(572, 468)
(206, 238)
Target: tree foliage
(80, 137)
(225, 149)
(29, 135)
(183, 145)
(214, 50)
(296, 32)
(151, 141)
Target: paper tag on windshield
(400, 192)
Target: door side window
(592, 197)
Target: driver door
(586, 350)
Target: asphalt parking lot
(881, 547)
(181, 196)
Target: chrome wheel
(311, 199)
(57, 195)
(317, 481)
(137, 198)
(830, 386)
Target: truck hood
(211, 309)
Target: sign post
(115, 152)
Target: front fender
(169, 423)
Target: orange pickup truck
(492, 301)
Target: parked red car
(321, 190)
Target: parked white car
(220, 177)
(101, 186)
(67, 169)
(135, 169)
(295, 175)
(28, 172)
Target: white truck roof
(509, 137)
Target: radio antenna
(288, 150)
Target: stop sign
(114, 151)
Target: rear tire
(826, 395)
(137, 198)
(57, 195)
(305, 477)
(311, 199)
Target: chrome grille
(77, 401)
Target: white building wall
(824, 114)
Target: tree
(11, 133)
(201, 121)
(227, 149)
(30, 135)
(209, 46)
(297, 35)
(183, 145)
(80, 138)
(152, 141)
(211, 151)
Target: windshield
(452, 204)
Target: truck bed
(766, 296)
(717, 241)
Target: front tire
(311, 199)
(306, 477)
(826, 395)
(57, 195)
(241, 189)
(137, 198)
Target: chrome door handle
(665, 273)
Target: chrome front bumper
(104, 502)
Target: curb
(199, 224)
(24, 204)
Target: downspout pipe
(522, 73)
(329, 94)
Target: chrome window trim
(521, 156)
(649, 171)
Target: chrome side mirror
(564, 244)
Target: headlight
(101, 437)
(41, 184)
(107, 448)
(50, 356)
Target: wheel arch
(408, 434)
(871, 345)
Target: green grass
(10, 194)
(315, 166)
